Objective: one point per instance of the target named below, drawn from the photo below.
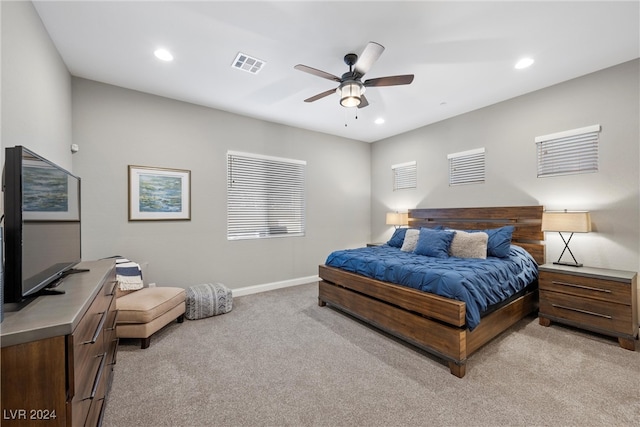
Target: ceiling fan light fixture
(350, 93)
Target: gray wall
(36, 87)
(116, 127)
(507, 131)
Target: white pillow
(410, 240)
(469, 245)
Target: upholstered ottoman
(143, 312)
(206, 300)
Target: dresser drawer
(95, 413)
(110, 285)
(88, 355)
(88, 343)
(589, 313)
(599, 289)
(110, 337)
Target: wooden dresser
(595, 299)
(58, 352)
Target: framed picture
(159, 194)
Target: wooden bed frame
(431, 322)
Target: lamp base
(566, 248)
(570, 264)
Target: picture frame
(159, 194)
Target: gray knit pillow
(410, 240)
(469, 245)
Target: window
(405, 175)
(466, 167)
(265, 196)
(569, 152)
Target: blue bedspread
(480, 283)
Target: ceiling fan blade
(320, 95)
(390, 81)
(363, 102)
(369, 56)
(318, 73)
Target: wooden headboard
(527, 221)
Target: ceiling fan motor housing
(350, 59)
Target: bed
(437, 324)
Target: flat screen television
(42, 223)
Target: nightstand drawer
(603, 290)
(587, 312)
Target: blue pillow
(434, 243)
(398, 237)
(499, 242)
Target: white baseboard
(248, 290)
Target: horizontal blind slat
(404, 176)
(265, 197)
(573, 154)
(467, 168)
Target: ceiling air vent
(247, 63)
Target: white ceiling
(461, 53)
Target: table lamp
(397, 219)
(566, 222)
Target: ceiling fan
(351, 88)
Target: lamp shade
(573, 222)
(350, 92)
(397, 218)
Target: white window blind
(405, 175)
(265, 196)
(466, 167)
(570, 152)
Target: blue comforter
(480, 283)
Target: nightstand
(595, 299)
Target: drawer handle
(113, 288)
(115, 321)
(115, 352)
(102, 412)
(96, 334)
(581, 311)
(96, 380)
(588, 288)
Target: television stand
(49, 290)
(52, 290)
(58, 356)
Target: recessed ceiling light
(163, 54)
(524, 63)
(379, 121)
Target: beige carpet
(278, 359)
